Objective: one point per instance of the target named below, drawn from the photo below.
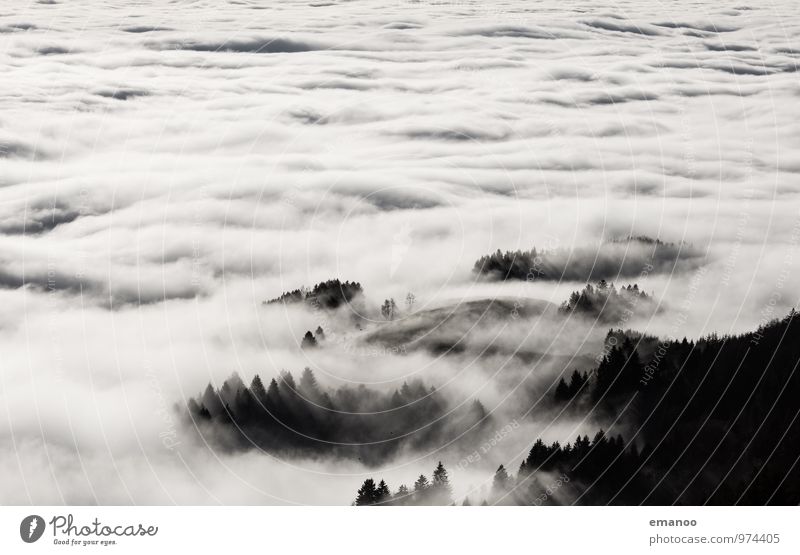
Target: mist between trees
(711, 421)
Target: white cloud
(193, 163)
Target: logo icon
(31, 528)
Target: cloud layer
(164, 168)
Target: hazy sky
(165, 167)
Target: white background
(391, 530)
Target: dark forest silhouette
(436, 491)
(606, 303)
(351, 422)
(624, 258)
(713, 421)
(328, 295)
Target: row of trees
(311, 340)
(717, 421)
(579, 464)
(329, 294)
(390, 311)
(605, 302)
(353, 422)
(436, 491)
(334, 293)
(576, 386)
(621, 258)
(519, 264)
(720, 412)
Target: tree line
(716, 419)
(620, 258)
(436, 491)
(349, 421)
(713, 421)
(607, 303)
(329, 295)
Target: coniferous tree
(274, 395)
(308, 384)
(389, 309)
(402, 497)
(562, 391)
(421, 490)
(501, 484)
(211, 401)
(382, 494)
(258, 390)
(410, 300)
(367, 493)
(576, 383)
(538, 456)
(308, 342)
(441, 491)
(306, 419)
(287, 380)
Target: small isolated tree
(319, 334)
(389, 309)
(500, 483)
(410, 300)
(441, 491)
(367, 493)
(308, 341)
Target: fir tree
(367, 493)
(382, 494)
(308, 341)
(501, 483)
(441, 491)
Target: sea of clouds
(167, 166)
